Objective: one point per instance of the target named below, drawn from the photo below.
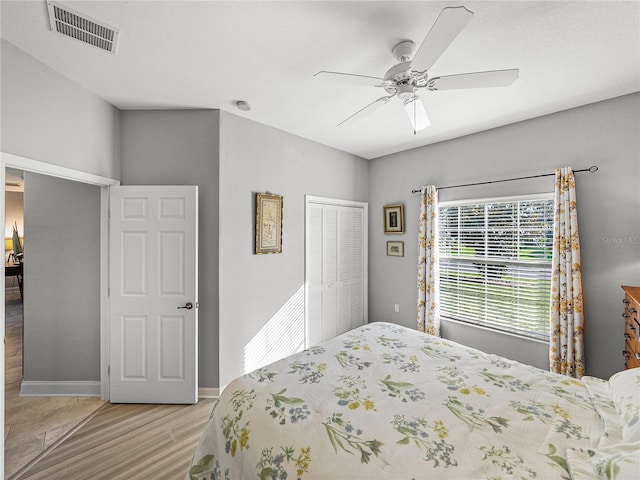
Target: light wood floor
(77, 438)
(128, 442)
(32, 424)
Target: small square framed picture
(395, 249)
(394, 218)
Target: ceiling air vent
(76, 25)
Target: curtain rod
(592, 169)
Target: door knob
(187, 305)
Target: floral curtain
(428, 266)
(566, 349)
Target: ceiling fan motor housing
(401, 78)
(398, 73)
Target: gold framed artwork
(395, 249)
(268, 223)
(394, 218)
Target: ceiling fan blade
(416, 113)
(446, 28)
(350, 78)
(366, 111)
(494, 78)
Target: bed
(388, 402)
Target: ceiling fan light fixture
(416, 113)
(405, 91)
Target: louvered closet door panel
(314, 278)
(330, 273)
(335, 270)
(344, 242)
(357, 262)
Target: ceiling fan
(406, 78)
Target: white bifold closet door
(336, 267)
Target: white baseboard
(208, 392)
(59, 389)
(83, 389)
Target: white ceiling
(208, 54)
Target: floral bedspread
(387, 402)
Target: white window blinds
(495, 263)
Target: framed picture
(395, 249)
(394, 218)
(268, 223)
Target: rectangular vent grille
(81, 27)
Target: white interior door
(336, 267)
(153, 294)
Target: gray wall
(47, 117)
(603, 134)
(260, 295)
(180, 147)
(61, 280)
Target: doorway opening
(13, 273)
(40, 301)
(77, 178)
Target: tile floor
(32, 424)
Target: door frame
(8, 160)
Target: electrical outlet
(396, 308)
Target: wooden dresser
(631, 317)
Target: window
(495, 263)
